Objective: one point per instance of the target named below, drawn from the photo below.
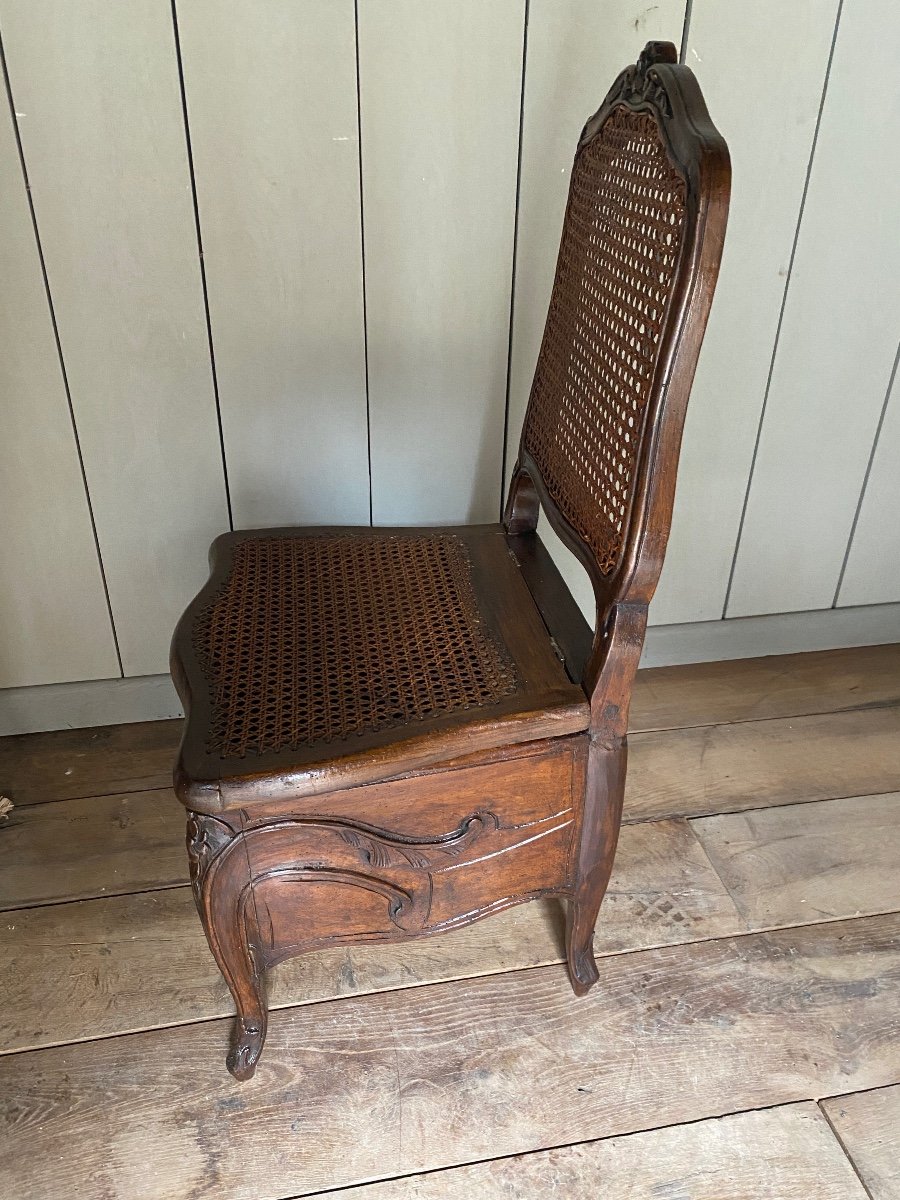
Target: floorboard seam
(156, 887)
(715, 870)
(840, 1141)
(656, 818)
(676, 815)
(476, 1162)
(681, 815)
(467, 978)
(872, 706)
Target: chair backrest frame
(657, 85)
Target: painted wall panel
(271, 89)
(104, 145)
(838, 336)
(575, 50)
(872, 575)
(732, 50)
(54, 620)
(271, 97)
(440, 88)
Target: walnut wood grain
(629, 577)
(39, 768)
(316, 663)
(419, 1080)
(386, 862)
(787, 1152)
(544, 704)
(663, 891)
(78, 971)
(125, 843)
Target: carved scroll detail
(640, 83)
(399, 867)
(378, 848)
(206, 837)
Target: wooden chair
(394, 732)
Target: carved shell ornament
(640, 83)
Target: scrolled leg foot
(247, 1045)
(221, 878)
(583, 972)
(599, 834)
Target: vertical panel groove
(209, 336)
(440, 99)
(865, 482)
(686, 29)
(515, 249)
(784, 297)
(59, 353)
(362, 239)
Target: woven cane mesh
(317, 638)
(616, 266)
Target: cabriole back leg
(598, 836)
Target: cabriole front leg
(221, 882)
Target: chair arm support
(611, 668)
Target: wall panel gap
(865, 482)
(362, 239)
(58, 343)
(686, 30)
(209, 335)
(512, 282)
(784, 297)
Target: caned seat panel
(325, 638)
(310, 649)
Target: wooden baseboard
(775, 633)
(92, 702)
(152, 697)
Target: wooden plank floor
(744, 1039)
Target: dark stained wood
(671, 93)
(81, 970)
(724, 768)
(682, 773)
(64, 764)
(785, 1153)
(298, 703)
(91, 847)
(521, 789)
(38, 768)
(415, 849)
(868, 1124)
(554, 601)
(435, 1077)
(545, 703)
(596, 839)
